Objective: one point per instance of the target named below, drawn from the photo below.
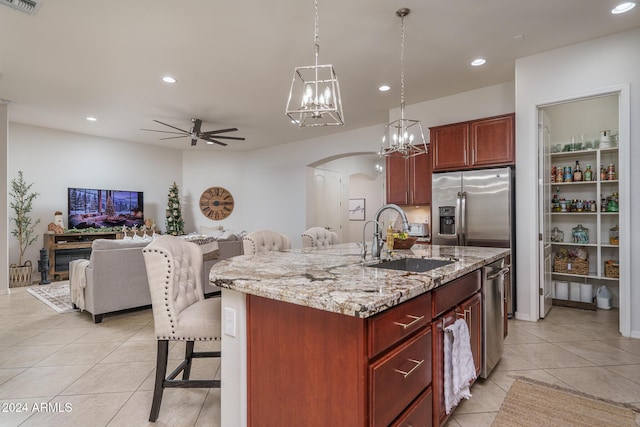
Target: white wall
(54, 160)
(484, 102)
(570, 73)
(204, 169)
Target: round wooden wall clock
(216, 203)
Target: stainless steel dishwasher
(493, 279)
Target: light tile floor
(102, 375)
(575, 349)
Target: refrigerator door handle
(463, 217)
(458, 223)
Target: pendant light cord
(402, 67)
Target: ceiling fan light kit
(404, 136)
(314, 98)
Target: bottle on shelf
(577, 172)
(611, 172)
(389, 238)
(588, 174)
(603, 173)
(568, 174)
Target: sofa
(115, 277)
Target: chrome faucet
(376, 245)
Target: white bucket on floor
(586, 292)
(574, 291)
(562, 290)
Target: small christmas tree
(175, 224)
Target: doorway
(335, 181)
(576, 210)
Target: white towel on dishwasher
(459, 368)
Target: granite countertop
(334, 279)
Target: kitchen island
(313, 337)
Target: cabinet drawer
(391, 326)
(455, 292)
(399, 377)
(419, 414)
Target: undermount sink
(415, 265)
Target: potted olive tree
(23, 229)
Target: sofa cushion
(100, 244)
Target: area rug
(530, 403)
(56, 295)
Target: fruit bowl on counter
(403, 241)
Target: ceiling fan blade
(163, 131)
(239, 138)
(181, 130)
(197, 124)
(211, 132)
(193, 142)
(213, 141)
(173, 137)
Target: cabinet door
(471, 309)
(449, 146)
(397, 179)
(492, 141)
(420, 179)
(437, 362)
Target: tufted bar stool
(265, 241)
(180, 311)
(319, 237)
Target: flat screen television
(98, 208)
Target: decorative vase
(20, 275)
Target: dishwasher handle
(502, 272)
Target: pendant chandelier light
(404, 136)
(314, 98)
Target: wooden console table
(65, 247)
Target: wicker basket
(571, 266)
(612, 269)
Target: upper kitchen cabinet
(478, 143)
(409, 180)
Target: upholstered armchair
(318, 237)
(264, 241)
(180, 311)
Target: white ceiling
(234, 60)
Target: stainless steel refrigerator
(475, 208)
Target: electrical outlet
(229, 327)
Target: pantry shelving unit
(599, 248)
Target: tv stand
(64, 248)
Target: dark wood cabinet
(459, 299)
(312, 367)
(409, 180)
(449, 146)
(437, 329)
(478, 143)
(471, 310)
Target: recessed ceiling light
(384, 88)
(168, 79)
(478, 62)
(623, 7)
(92, 119)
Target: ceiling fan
(211, 137)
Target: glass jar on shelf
(557, 235)
(580, 234)
(614, 235)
